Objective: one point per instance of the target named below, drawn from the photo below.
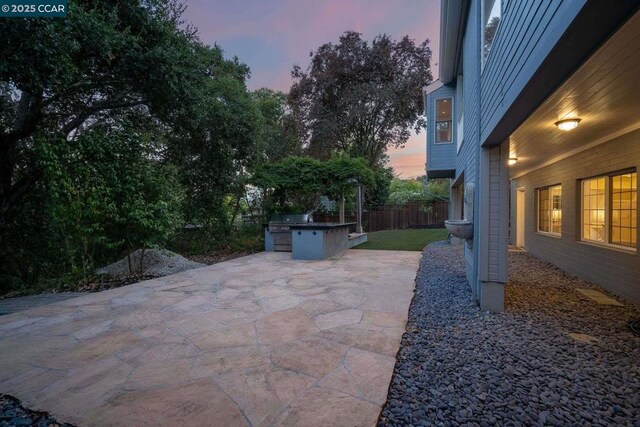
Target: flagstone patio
(259, 340)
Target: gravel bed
(12, 413)
(459, 365)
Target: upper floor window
(550, 210)
(460, 113)
(491, 14)
(444, 112)
(610, 209)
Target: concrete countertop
(320, 225)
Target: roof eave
(452, 18)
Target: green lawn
(403, 240)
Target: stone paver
(14, 305)
(260, 340)
(599, 297)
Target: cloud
(290, 29)
(409, 166)
(408, 162)
(271, 36)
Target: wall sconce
(567, 124)
(512, 161)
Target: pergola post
(359, 208)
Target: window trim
(483, 25)
(607, 213)
(460, 114)
(435, 122)
(538, 190)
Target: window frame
(550, 210)
(607, 211)
(451, 121)
(483, 25)
(460, 114)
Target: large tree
(60, 77)
(110, 194)
(361, 98)
(277, 136)
(113, 77)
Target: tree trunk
(236, 209)
(341, 213)
(359, 209)
(11, 189)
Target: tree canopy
(360, 98)
(59, 78)
(117, 125)
(278, 135)
(420, 190)
(297, 182)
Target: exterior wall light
(512, 161)
(567, 124)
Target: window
(491, 14)
(550, 210)
(444, 110)
(624, 209)
(610, 209)
(593, 209)
(460, 113)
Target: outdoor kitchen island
(319, 240)
(309, 240)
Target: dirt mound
(156, 263)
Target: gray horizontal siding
(527, 33)
(467, 159)
(615, 270)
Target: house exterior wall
(616, 270)
(467, 157)
(485, 173)
(497, 209)
(441, 158)
(537, 45)
(490, 221)
(527, 32)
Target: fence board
(425, 215)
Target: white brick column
(493, 223)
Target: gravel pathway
(461, 366)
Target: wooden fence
(424, 215)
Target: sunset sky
(272, 35)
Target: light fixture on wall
(568, 124)
(512, 161)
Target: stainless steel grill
(280, 231)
